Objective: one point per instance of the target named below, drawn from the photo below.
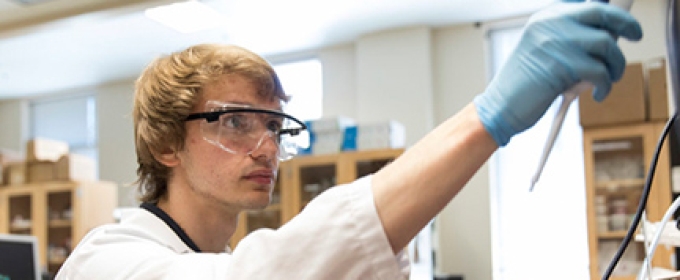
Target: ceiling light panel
(187, 17)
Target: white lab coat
(337, 236)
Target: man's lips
(261, 176)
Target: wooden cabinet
(59, 214)
(617, 160)
(303, 178)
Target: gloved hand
(560, 46)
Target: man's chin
(258, 206)
(258, 203)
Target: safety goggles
(242, 129)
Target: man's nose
(267, 147)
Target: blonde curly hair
(167, 91)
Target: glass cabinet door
(369, 166)
(315, 179)
(59, 228)
(20, 214)
(619, 170)
(617, 161)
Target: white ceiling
(62, 45)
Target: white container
(618, 221)
(601, 209)
(602, 224)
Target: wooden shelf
(599, 159)
(271, 208)
(612, 234)
(60, 223)
(56, 261)
(20, 228)
(615, 185)
(633, 277)
(90, 203)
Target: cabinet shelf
(623, 278)
(87, 204)
(619, 234)
(620, 184)
(271, 208)
(620, 152)
(62, 223)
(56, 261)
(20, 228)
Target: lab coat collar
(172, 224)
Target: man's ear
(167, 156)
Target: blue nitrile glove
(560, 46)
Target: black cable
(673, 49)
(643, 200)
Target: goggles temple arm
(215, 115)
(291, 131)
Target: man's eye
(274, 125)
(233, 121)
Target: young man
(210, 133)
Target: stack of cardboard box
(8, 160)
(657, 91)
(49, 160)
(640, 96)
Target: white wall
(13, 124)
(652, 16)
(464, 227)
(394, 80)
(117, 157)
(339, 81)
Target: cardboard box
(657, 91)
(15, 173)
(625, 104)
(41, 171)
(75, 167)
(43, 149)
(10, 156)
(7, 157)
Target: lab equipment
(549, 59)
(673, 50)
(567, 98)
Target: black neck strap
(172, 224)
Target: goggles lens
(241, 129)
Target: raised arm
(560, 46)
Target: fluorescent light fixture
(186, 17)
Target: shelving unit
(303, 178)
(59, 214)
(617, 159)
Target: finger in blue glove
(560, 46)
